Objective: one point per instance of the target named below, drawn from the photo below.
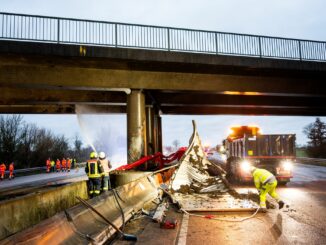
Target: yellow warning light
(241, 93)
(230, 131)
(254, 129)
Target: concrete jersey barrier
(79, 225)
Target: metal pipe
(150, 130)
(159, 134)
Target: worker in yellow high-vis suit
(94, 172)
(265, 183)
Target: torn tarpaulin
(195, 188)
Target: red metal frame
(158, 158)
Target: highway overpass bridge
(49, 65)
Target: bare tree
(28, 145)
(9, 136)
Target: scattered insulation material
(197, 187)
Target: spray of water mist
(104, 132)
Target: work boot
(263, 209)
(280, 204)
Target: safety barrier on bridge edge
(103, 33)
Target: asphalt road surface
(26, 184)
(303, 222)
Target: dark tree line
(316, 133)
(29, 146)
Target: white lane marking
(183, 230)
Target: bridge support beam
(158, 132)
(136, 126)
(150, 130)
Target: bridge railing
(103, 33)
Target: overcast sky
(304, 19)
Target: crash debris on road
(195, 188)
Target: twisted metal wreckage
(194, 183)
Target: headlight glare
(287, 165)
(245, 166)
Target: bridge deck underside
(53, 78)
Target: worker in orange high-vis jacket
(11, 170)
(2, 171)
(48, 165)
(68, 164)
(64, 165)
(58, 165)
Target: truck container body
(246, 147)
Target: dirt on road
(303, 222)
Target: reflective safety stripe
(93, 169)
(261, 175)
(105, 188)
(91, 192)
(97, 192)
(270, 179)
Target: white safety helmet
(101, 155)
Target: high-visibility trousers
(11, 174)
(105, 182)
(94, 186)
(269, 188)
(2, 174)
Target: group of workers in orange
(61, 166)
(3, 168)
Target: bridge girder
(53, 78)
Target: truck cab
(246, 146)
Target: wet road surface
(26, 184)
(304, 222)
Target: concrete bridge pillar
(150, 130)
(136, 126)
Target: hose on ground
(120, 208)
(219, 219)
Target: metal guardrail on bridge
(103, 33)
(35, 170)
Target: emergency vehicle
(246, 146)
